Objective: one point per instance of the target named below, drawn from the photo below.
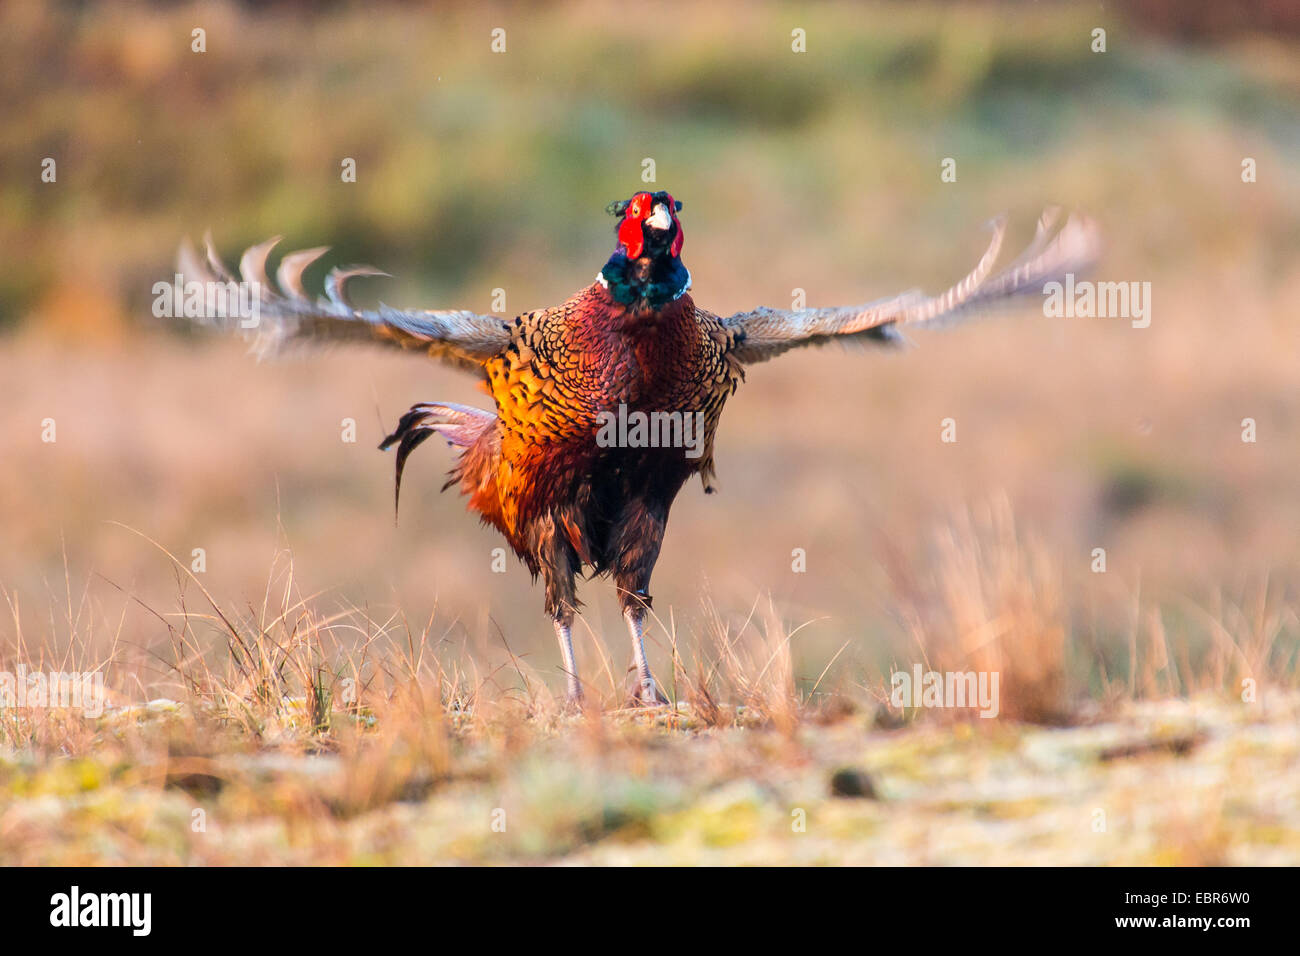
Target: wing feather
(763, 333)
(283, 315)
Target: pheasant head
(646, 268)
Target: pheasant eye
(640, 205)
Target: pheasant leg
(647, 690)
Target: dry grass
(300, 735)
(994, 604)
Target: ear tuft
(678, 204)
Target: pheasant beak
(660, 220)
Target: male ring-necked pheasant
(545, 468)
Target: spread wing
(764, 333)
(275, 318)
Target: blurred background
(820, 171)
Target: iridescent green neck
(656, 282)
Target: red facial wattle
(630, 231)
(675, 249)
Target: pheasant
(556, 467)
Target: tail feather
(460, 425)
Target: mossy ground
(1205, 781)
